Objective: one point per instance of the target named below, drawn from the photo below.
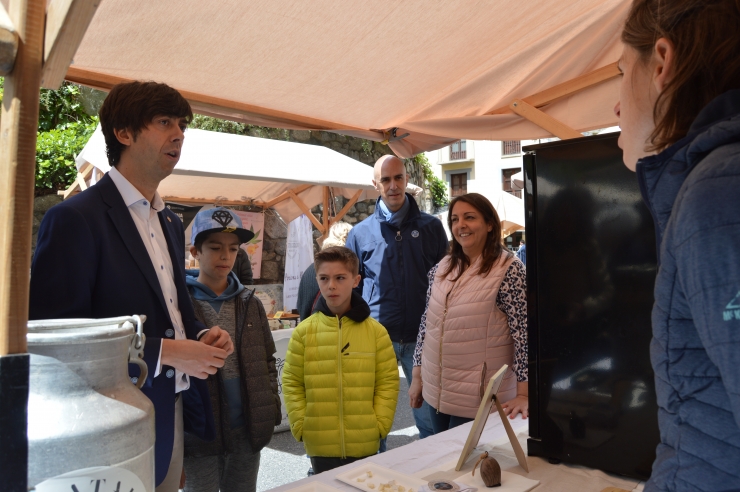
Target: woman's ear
(664, 56)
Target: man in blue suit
(115, 250)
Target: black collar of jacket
(358, 311)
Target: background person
(244, 392)
(243, 268)
(308, 289)
(522, 252)
(477, 299)
(397, 245)
(679, 110)
(340, 423)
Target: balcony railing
(457, 155)
(511, 147)
(516, 193)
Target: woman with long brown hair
(679, 111)
(474, 323)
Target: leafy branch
(437, 187)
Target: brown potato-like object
(490, 472)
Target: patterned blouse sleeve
(423, 324)
(512, 300)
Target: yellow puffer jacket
(340, 382)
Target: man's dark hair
(133, 106)
(338, 254)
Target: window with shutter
(458, 184)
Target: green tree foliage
(211, 124)
(56, 151)
(61, 107)
(64, 129)
(437, 187)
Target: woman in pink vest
(475, 321)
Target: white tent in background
(235, 169)
(510, 209)
(517, 181)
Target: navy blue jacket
(394, 264)
(693, 191)
(90, 262)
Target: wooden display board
(489, 399)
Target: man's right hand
(194, 358)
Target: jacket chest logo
(732, 310)
(414, 233)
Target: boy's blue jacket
(693, 191)
(394, 272)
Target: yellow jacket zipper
(341, 399)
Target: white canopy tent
(240, 170)
(509, 208)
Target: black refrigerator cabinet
(591, 267)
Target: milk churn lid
(78, 330)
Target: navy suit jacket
(90, 262)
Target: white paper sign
(95, 479)
(298, 255)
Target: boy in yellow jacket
(340, 378)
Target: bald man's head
(390, 181)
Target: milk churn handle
(136, 349)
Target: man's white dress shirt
(147, 223)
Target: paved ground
(284, 460)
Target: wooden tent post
(349, 204)
(543, 120)
(528, 107)
(19, 123)
(304, 208)
(326, 219)
(567, 88)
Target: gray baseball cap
(219, 220)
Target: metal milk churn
(87, 421)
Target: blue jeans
(442, 422)
(405, 355)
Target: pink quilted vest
(467, 340)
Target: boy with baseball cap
(244, 393)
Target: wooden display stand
(489, 398)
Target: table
(440, 452)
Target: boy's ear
(194, 251)
(357, 281)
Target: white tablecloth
(441, 452)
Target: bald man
(397, 247)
